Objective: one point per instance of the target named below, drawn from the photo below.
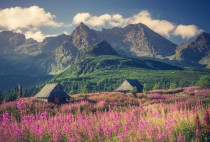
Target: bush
(134, 91)
(204, 81)
(156, 86)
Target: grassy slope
(106, 73)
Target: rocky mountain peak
(81, 28)
(203, 36)
(102, 48)
(138, 40)
(30, 41)
(59, 37)
(83, 37)
(195, 51)
(137, 26)
(12, 39)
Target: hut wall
(57, 100)
(43, 99)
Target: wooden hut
(128, 85)
(52, 92)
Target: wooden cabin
(52, 92)
(128, 85)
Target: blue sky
(178, 20)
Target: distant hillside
(102, 48)
(103, 56)
(195, 52)
(81, 52)
(135, 40)
(104, 71)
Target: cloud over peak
(19, 18)
(187, 31)
(163, 27)
(98, 21)
(27, 20)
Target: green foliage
(108, 80)
(145, 87)
(156, 86)
(45, 137)
(106, 73)
(102, 48)
(63, 138)
(173, 85)
(83, 89)
(134, 91)
(10, 95)
(204, 81)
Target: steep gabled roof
(128, 84)
(48, 91)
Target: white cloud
(187, 31)
(24, 18)
(98, 21)
(80, 17)
(37, 35)
(163, 27)
(27, 21)
(118, 21)
(65, 32)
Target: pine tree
(204, 81)
(172, 85)
(156, 86)
(134, 91)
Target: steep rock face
(55, 53)
(45, 52)
(29, 54)
(66, 54)
(47, 46)
(83, 37)
(138, 40)
(9, 41)
(195, 51)
(53, 42)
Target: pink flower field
(110, 117)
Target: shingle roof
(128, 84)
(48, 91)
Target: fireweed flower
(56, 136)
(38, 131)
(147, 122)
(43, 115)
(180, 138)
(161, 136)
(20, 104)
(6, 119)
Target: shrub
(204, 81)
(134, 91)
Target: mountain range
(195, 52)
(21, 56)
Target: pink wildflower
(20, 104)
(180, 138)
